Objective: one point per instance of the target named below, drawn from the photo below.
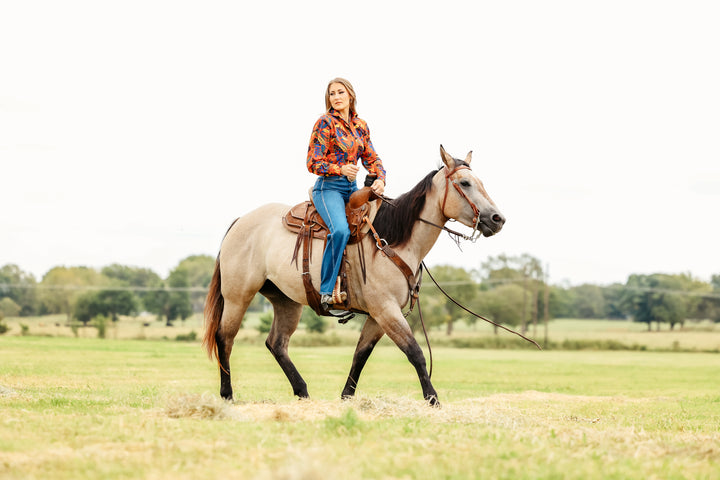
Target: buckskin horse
(257, 252)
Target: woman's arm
(370, 159)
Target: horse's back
(253, 230)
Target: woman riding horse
(339, 139)
(257, 255)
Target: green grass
(75, 408)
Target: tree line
(513, 291)
(510, 290)
(83, 293)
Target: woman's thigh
(330, 203)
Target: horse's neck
(423, 236)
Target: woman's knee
(340, 232)
(343, 233)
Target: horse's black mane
(394, 223)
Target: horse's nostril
(498, 218)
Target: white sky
(134, 132)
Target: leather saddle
(304, 220)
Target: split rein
(477, 315)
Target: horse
(256, 255)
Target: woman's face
(339, 97)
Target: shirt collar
(337, 115)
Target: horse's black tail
(213, 313)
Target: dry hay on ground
(6, 392)
(498, 409)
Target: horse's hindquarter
(257, 248)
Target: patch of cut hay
(204, 407)
(6, 392)
(471, 411)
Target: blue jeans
(330, 194)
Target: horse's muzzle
(491, 224)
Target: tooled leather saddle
(304, 220)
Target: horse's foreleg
(417, 359)
(370, 335)
(287, 315)
(399, 331)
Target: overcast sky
(135, 132)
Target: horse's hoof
(433, 401)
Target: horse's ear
(447, 159)
(468, 158)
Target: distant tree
(171, 300)
(106, 303)
(19, 286)
(178, 304)
(156, 301)
(503, 304)
(146, 285)
(63, 285)
(655, 298)
(715, 282)
(432, 305)
(613, 301)
(314, 322)
(86, 307)
(524, 270)
(9, 308)
(589, 301)
(561, 302)
(708, 307)
(266, 320)
(199, 270)
(117, 302)
(459, 284)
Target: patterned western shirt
(335, 142)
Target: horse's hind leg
(287, 315)
(369, 337)
(232, 316)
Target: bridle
(476, 211)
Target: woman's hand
(350, 171)
(378, 187)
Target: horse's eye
(464, 183)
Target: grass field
(74, 408)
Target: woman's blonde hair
(350, 89)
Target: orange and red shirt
(335, 142)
